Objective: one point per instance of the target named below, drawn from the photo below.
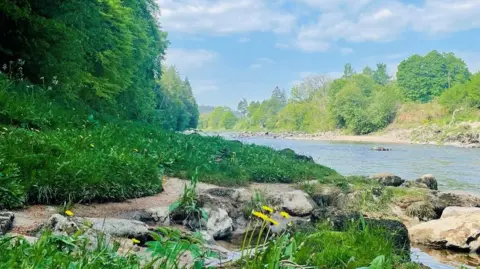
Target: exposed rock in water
(454, 211)
(388, 179)
(429, 180)
(6, 222)
(381, 149)
(459, 233)
(296, 203)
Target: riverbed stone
(157, 215)
(458, 232)
(6, 222)
(428, 180)
(454, 211)
(118, 227)
(388, 179)
(219, 225)
(296, 203)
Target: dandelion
(285, 215)
(267, 208)
(135, 241)
(264, 217)
(69, 213)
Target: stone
(296, 203)
(327, 196)
(339, 219)
(118, 227)
(414, 184)
(6, 222)
(388, 179)
(442, 200)
(458, 233)
(381, 149)
(231, 200)
(429, 180)
(219, 224)
(290, 152)
(454, 211)
(422, 210)
(160, 216)
(62, 225)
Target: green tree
(348, 71)
(423, 78)
(380, 75)
(228, 119)
(367, 71)
(243, 107)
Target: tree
(348, 71)
(367, 71)
(380, 75)
(424, 77)
(243, 107)
(228, 120)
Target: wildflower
(267, 208)
(69, 213)
(285, 215)
(272, 221)
(264, 217)
(4, 66)
(135, 241)
(42, 78)
(92, 145)
(136, 150)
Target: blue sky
(231, 49)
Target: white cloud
(186, 60)
(279, 45)
(261, 62)
(223, 16)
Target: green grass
(53, 151)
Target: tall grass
(54, 151)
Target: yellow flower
(272, 221)
(92, 145)
(260, 215)
(135, 241)
(285, 215)
(69, 213)
(267, 208)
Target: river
(455, 168)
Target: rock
(327, 196)
(459, 233)
(157, 215)
(388, 179)
(339, 219)
(414, 184)
(428, 180)
(454, 211)
(443, 200)
(61, 225)
(6, 222)
(296, 203)
(399, 232)
(290, 152)
(118, 227)
(219, 224)
(381, 149)
(424, 211)
(231, 200)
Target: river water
(455, 168)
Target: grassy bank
(52, 152)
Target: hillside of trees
(359, 102)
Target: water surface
(455, 168)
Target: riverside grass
(53, 151)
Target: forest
(359, 102)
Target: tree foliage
(424, 77)
(104, 54)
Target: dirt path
(29, 218)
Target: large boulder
(429, 180)
(388, 179)
(459, 233)
(231, 200)
(160, 216)
(422, 210)
(219, 224)
(443, 200)
(6, 222)
(454, 211)
(296, 203)
(118, 227)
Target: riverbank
(466, 135)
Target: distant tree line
(359, 102)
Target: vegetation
(433, 88)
